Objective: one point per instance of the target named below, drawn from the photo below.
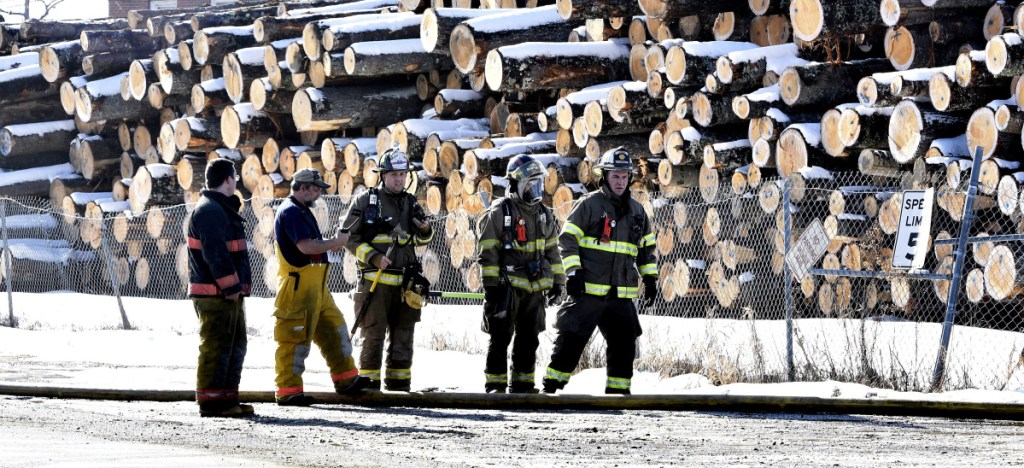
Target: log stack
(723, 105)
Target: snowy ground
(74, 340)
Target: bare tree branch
(48, 6)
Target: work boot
(551, 386)
(236, 411)
(373, 386)
(522, 387)
(298, 399)
(354, 387)
(494, 388)
(616, 391)
(399, 386)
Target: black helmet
(393, 159)
(526, 178)
(614, 159)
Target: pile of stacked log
(723, 104)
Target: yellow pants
(306, 314)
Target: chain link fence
(721, 255)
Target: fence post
(958, 265)
(787, 229)
(7, 264)
(113, 274)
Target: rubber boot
(522, 387)
(298, 399)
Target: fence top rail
(912, 274)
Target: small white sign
(914, 232)
(807, 250)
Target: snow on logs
(536, 66)
(325, 109)
(472, 40)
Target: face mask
(532, 190)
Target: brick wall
(119, 8)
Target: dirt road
(55, 432)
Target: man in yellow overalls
(305, 310)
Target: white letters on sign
(914, 232)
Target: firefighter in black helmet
(386, 224)
(522, 271)
(606, 246)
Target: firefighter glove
(650, 290)
(574, 285)
(493, 294)
(555, 295)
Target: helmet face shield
(532, 190)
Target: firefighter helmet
(613, 160)
(526, 178)
(393, 159)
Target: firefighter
(219, 279)
(518, 254)
(606, 246)
(386, 224)
(304, 309)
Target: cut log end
(463, 48)
(789, 85)
(905, 131)
(982, 131)
(867, 91)
(940, 91)
(807, 18)
(302, 112)
(900, 47)
(831, 139)
(996, 55)
(494, 71)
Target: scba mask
(532, 190)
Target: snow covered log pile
(716, 100)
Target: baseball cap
(310, 176)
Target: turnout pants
(616, 318)
(306, 314)
(520, 327)
(222, 346)
(388, 320)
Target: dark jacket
(540, 230)
(368, 240)
(617, 261)
(218, 256)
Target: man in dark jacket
(387, 224)
(607, 246)
(518, 254)
(219, 278)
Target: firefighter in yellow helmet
(518, 254)
(304, 309)
(606, 246)
(386, 224)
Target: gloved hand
(650, 290)
(493, 294)
(555, 294)
(574, 285)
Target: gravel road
(56, 432)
